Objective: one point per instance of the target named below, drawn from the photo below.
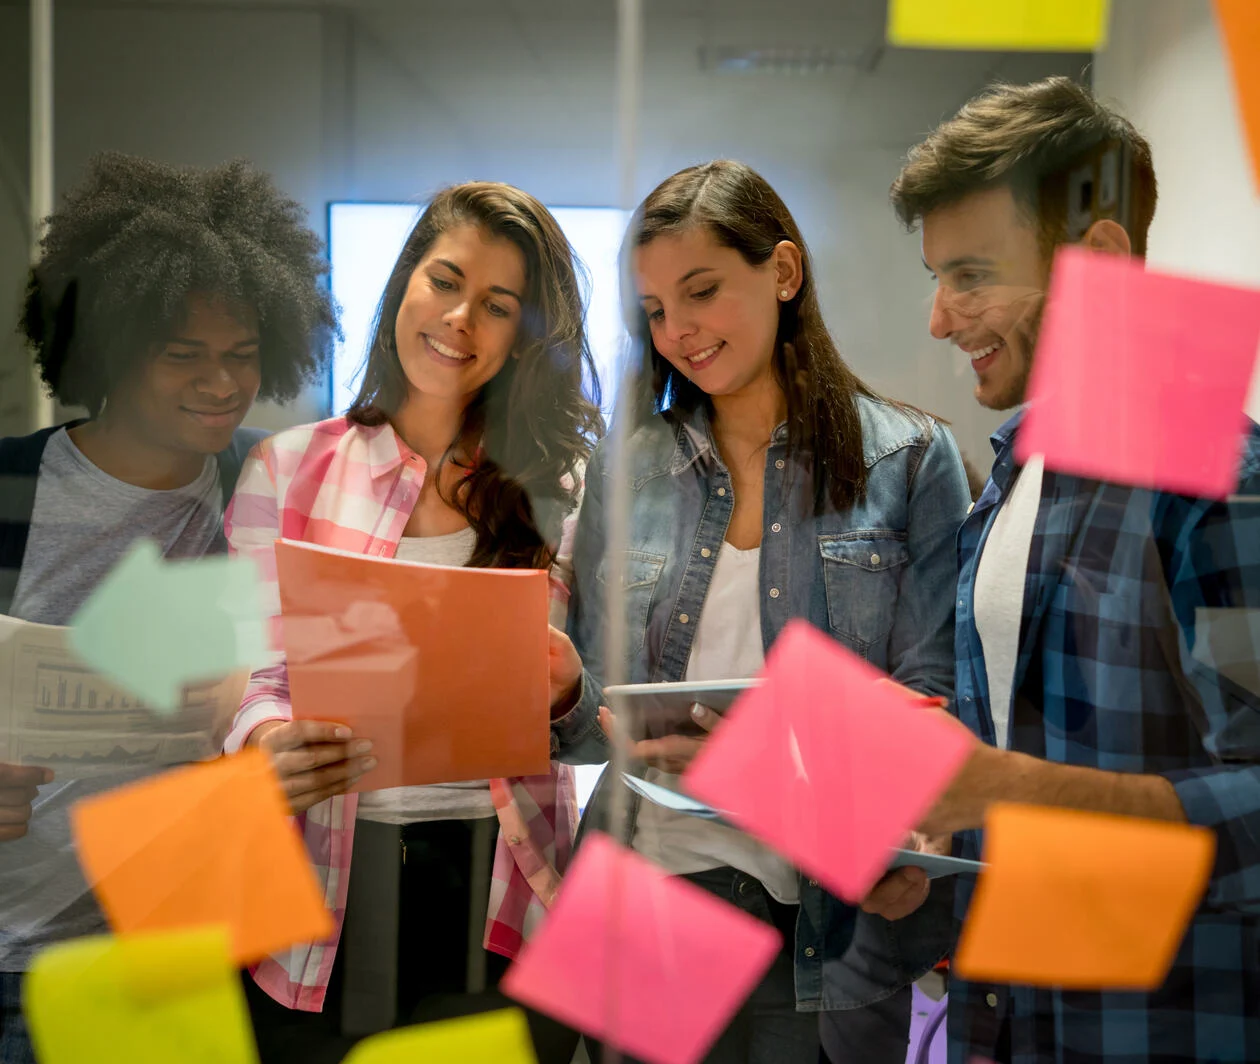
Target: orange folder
(1239, 22)
(206, 844)
(444, 669)
(1085, 901)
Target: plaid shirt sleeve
(1214, 576)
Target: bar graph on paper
(58, 713)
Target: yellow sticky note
(139, 999)
(488, 1038)
(1008, 25)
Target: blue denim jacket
(879, 577)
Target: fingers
(898, 894)
(705, 717)
(18, 795)
(306, 789)
(9, 832)
(21, 776)
(296, 733)
(15, 814)
(607, 722)
(672, 753)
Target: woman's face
(461, 312)
(712, 315)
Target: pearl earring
(783, 293)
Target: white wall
(389, 99)
(1167, 71)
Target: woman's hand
(314, 759)
(673, 753)
(564, 669)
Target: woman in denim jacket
(768, 483)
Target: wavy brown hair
(535, 422)
(740, 209)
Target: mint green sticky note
(155, 626)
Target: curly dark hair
(135, 239)
(536, 424)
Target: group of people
(766, 482)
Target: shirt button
(743, 887)
(991, 1000)
(683, 618)
(874, 559)
(776, 527)
(778, 463)
(960, 602)
(721, 491)
(515, 840)
(705, 552)
(809, 951)
(774, 592)
(813, 882)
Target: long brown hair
(741, 210)
(535, 423)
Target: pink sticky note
(826, 764)
(641, 960)
(1140, 377)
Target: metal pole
(41, 164)
(629, 92)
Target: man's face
(991, 278)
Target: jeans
(15, 1040)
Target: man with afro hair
(165, 300)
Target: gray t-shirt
(83, 522)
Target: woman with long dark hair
(767, 482)
(465, 446)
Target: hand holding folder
(444, 669)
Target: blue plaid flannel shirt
(1137, 653)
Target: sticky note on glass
(1140, 377)
(826, 764)
(139, 999)
(500, 1037)
(1008, 25)
(156, 626)
(1228, 641)
(1239, 22)
(207, 844)
(1082, 900)
(641, 960)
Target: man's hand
(903, 890)
(18, 788)
(314, 759)
(672, 753)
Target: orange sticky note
(444, 669)
(207, 844)
(1085, 901)
(1240, 26)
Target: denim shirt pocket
(642, 572)
(861, 574)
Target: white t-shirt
(727, 647)
(1000, 575)
(467, 800)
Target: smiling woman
(465, 446)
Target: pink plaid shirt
(340, 484)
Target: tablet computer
(654, 710)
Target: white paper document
(58, 713)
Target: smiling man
(1077, 664)
(164, 301)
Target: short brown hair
(1026, 137)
